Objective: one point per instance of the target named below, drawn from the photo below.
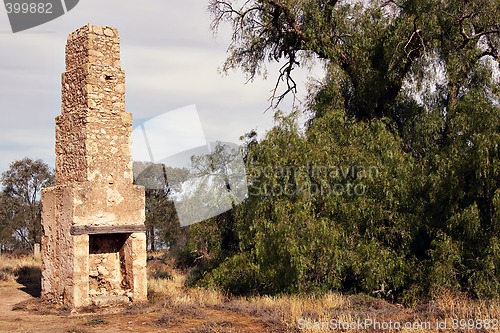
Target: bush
(237, 275)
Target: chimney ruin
(93, 242)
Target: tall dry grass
(321, 314)
(15, 268)
(166, 287)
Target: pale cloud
(170, 58)
(169, 134)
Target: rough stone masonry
(94, 243)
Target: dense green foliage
(393, 186)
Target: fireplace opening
(109, 266)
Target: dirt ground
(21, 312)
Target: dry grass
(22, 269)
(171, 292)
(179, 305)
(320, 314)
(453, 307)
(288, 310)
(328, 313)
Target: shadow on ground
(30, 277)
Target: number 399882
(29, 8)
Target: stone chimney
(93, 243)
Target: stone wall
(94, 200)
(93, 132)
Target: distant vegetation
(20, 206)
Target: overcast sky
(171, 60)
